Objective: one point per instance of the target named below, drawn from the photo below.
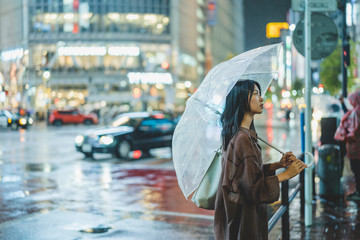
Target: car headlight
(31, 121)
(79, 140)
(106, 140)
(22, 121)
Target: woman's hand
(294, 169)
(287, 159)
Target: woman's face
(256, 105)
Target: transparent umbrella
(198, 133)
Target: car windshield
(8, 114)
(126, 121)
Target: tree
(299, 84)
(330, 70)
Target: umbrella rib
(209, 106)
(250, 63)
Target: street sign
(324, 36)
(315, 5)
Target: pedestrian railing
(283, 211)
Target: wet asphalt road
(49, 191)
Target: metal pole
(344, 42)
(308, 138)
(302, 130)
(302, 179)
(285, 225)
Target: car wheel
(89, 155)
(123, 149)
(57, 123)
(88, 122)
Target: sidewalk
(331, 219)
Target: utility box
(329, 170)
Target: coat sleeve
(267, 171)
(249, 179)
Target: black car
(15, 121)
(129, 133)
(22, 121)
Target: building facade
(140, 54)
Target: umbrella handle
(312, 160)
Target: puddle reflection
(39, 167)
(155, 189)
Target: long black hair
(236, 105)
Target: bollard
(329, 170)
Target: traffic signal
(346, 53)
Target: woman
(246, 185)
(349, 132)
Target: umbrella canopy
(198, 133)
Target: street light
(46, 77)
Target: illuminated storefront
(148, 55)
(90, 47)
(104, 72)
(11, 71)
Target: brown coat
(246, 185)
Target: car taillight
(158, 116)
(137, 154)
